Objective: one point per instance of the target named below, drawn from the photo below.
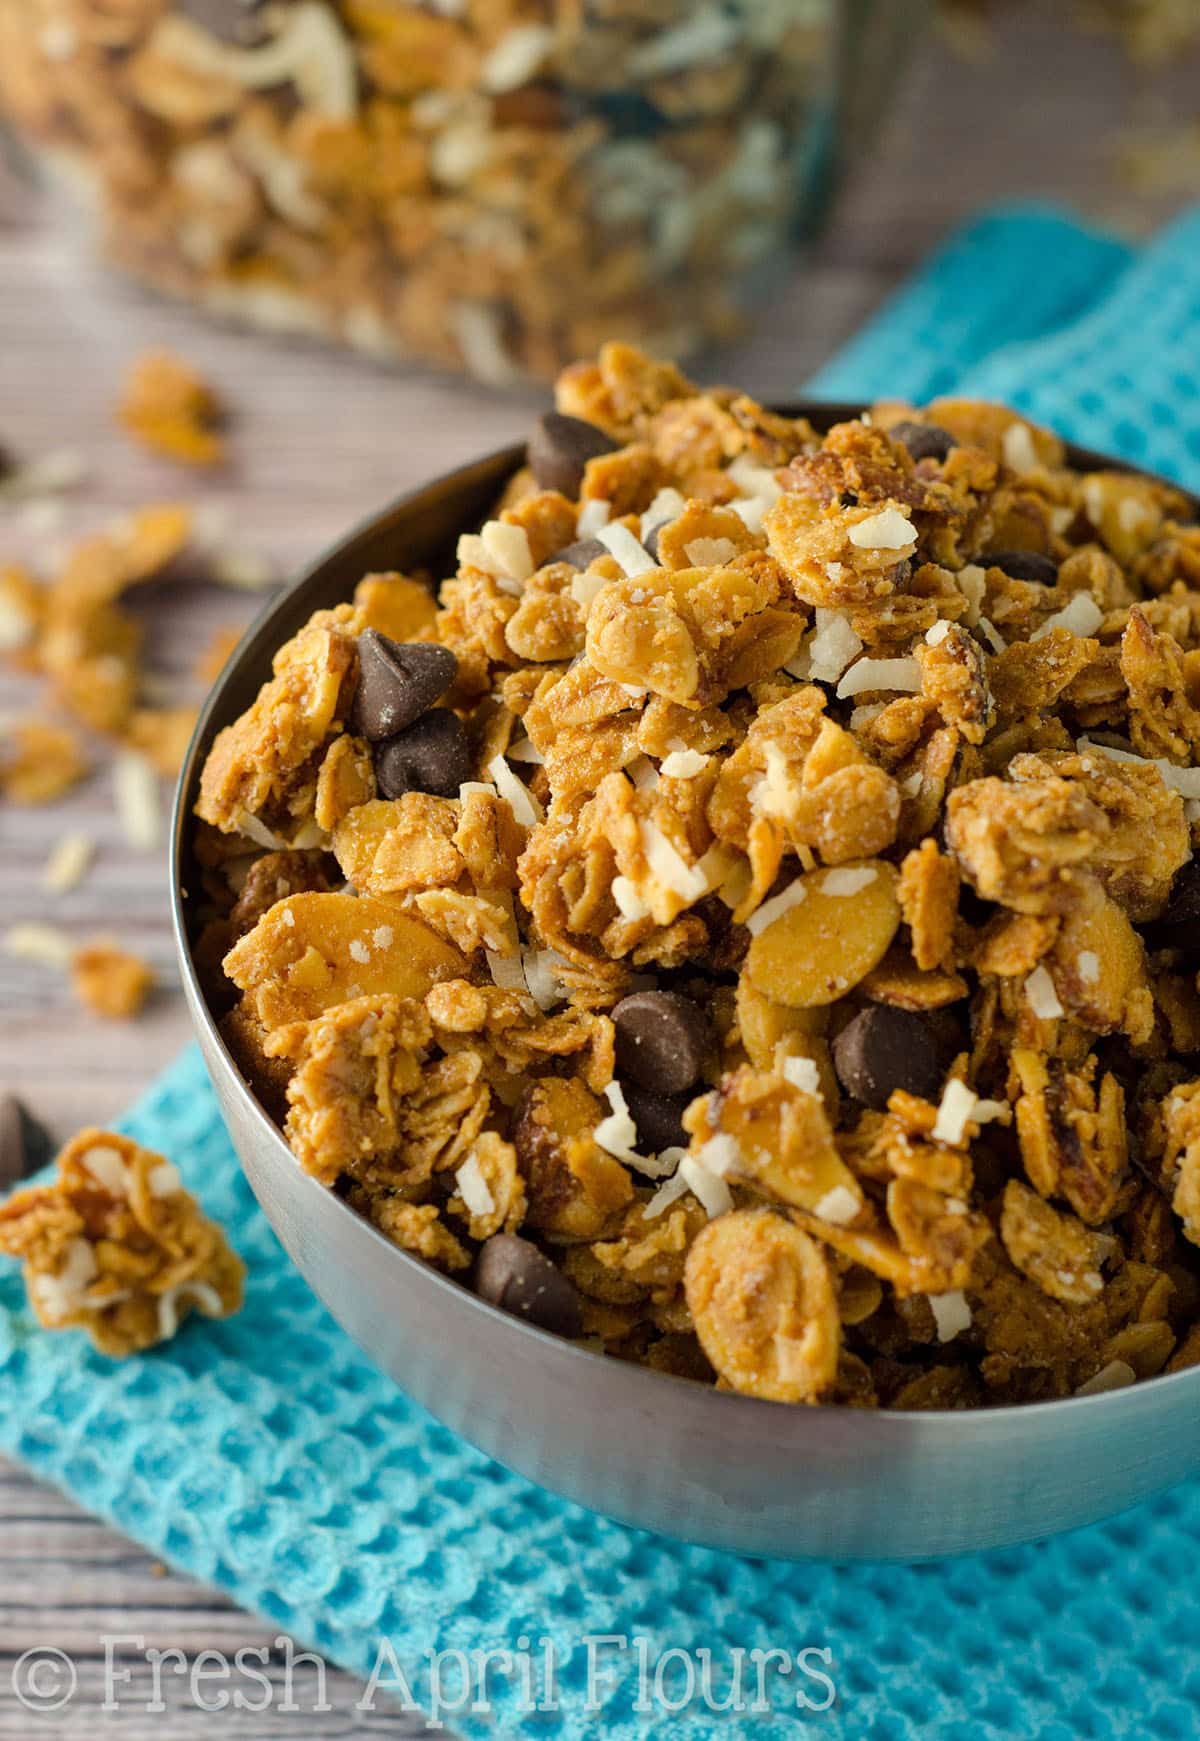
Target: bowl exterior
(662, 1454)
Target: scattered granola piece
(111, 981)
(116, 1246)
(39, 761)
(171, 409)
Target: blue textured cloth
(267, 1456)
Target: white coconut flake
(617, 1135)
(708, 1188)
(991, 1112)
(135, 788)
(506, 971)
(773, 793)
(164, 1180)
(720, 1154)
(670, 1192)
(832, 646)
(667, 505)
(201, 1293)
(521, 750)
(992, 635)
(620, 542)
(586, 588)
(1081, 615)
(668, 867)
(594, 514)
(754, 480)
(630, 904)
(58, 1295)
(107, 1165)
(1117, 1375)
(972, 583)
(848, 881)
(802, 1073)
(643, 773)
(508, 553)
(776, 907)
(516, 57)
(937, 634)
(887, 530)
(1185, 781)
(683, 764)
(525, 807)
(473, 1187)
(242, 570)
(43, 944)
(839, 1206)
(1019, 452)
(901, 675)
(68, 863)
(1041, 996)
(955, 1110)
(951, 1314)
(710, 552)
(359, 951)
(542, 976)
(750, 511)
(1088, 964)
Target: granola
(116, 1246)
(491, 185)
(747, 914)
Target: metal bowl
(658, 1452)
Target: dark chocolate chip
(884, 1048)
(923, 440)
(431, 756)
(650, 542)
(560, 447)
(397, 683)
(514, 1275)
(658, 1118)
(581, 554)
(25, 1144)
(1183, 903)
(1023, 565)
(662, 1040)
(231, 21)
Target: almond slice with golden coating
(830, 938)
(762, 1297)
(313, 951)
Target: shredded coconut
(776, 907)
(839, 1206)
(951, 1314)
(707, 1187)
(669, 868)
(848, 881)
(710, 552)
(1088, 963)
(955, 1110)
(473, 1187)
(667, 505)
(937, 634)
(506, 971)
(683, 764)
(594, 513)
(525, 807)
(1081, 614)
(1185, 781)
(205, 1296)
(895, 674)
(69, 863)
(832, 646)
(1117, 1375)
(802, 1073)
(541, 976)
(1019, 451)
(359, 952)
(887, 530)
(135, 788)
(1042, 996)
(620, 542)
(630, 904)
(992, 635)
(972, 583)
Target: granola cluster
(748, 918)
(116, 1246)
(494, 184)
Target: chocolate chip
(560, 447)
(650, 542)
(885, 1048)
(658, 1117)
(923, 440)
(513, 1274)
(1023, 565)
(431, 756)
(397, 683)
(662, 1040)
(25, 1144)
(581, 554)
(1183, 904)
(229, 20)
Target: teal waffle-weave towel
(267, 1456)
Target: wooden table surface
(319, 439)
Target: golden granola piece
(110, 981)
(255, 766)
(1053, 1248)
(39, 761)
(401, 608)
(162, 735)
(391, 845)
(419, 1228)
(955, 678)
(273, 877)
(171, 409)
(928, 895)
(764, 1305)
(574, 1186)
(491, 1192)
(1098, 965)
(117, 1247)
(354, 1065)
(313, 951)
(1072, 1134)
(777, 1139)
(1181, 1157)
(1163, 721)
(346, 780)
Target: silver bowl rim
(1096, 1409)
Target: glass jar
(498, 185)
